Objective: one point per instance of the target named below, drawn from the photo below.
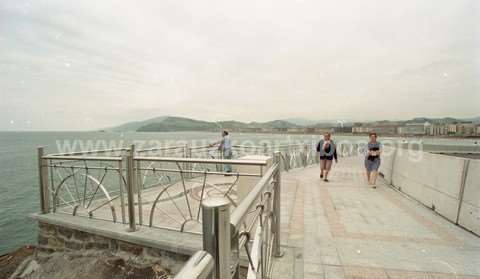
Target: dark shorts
(372, 165)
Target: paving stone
(334, 272)
(353, 231)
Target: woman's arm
(215, 143)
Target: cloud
(92, 64)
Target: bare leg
(322, 167)
(326, 175)
(373, 178)
(368, 176)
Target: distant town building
(462, 129)
(300, 130)
(466, 129)
(250, 130)
(345, 129)
(380, 127)
(317, 130)
(280, 130)
(360, 128)
(414, 129)
(437, 129)
(451, 129)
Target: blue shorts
(372, 165)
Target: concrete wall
(442, 148)
(437, 181)
(387, 163)
(470, 208)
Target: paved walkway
(344, 229)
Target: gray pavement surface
(346, 229)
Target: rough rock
(33, 263)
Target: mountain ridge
(176, 123)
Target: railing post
(305, 156)
(276, 213)
(130, 188)
(187, 153)
(138, 187)
(43, 181)
(216, 234)
(466, 164)
(394, 157)
(235, 252)
(122, 185)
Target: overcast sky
(90, 64)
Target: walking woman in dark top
(372, 159)
(327, 151)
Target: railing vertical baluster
(268, 230)
(276, 213)
(138, 183)
(305, 155)
(216, 234)
(130, 188)
(188, 154)
(265, 149)
(235, 252)
(43, 181)
(121, 184)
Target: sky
(82, 65)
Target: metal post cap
(213, 202)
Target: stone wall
(54, 238)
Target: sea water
(19, 170)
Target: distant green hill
(175, 124)
(273, 124)
(134, 126)
(232, 124)
(172, 124)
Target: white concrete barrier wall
(387, 163)
(470, 209)
(435, 180)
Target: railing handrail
(240, 213)
(161, 148)
(250, 146)
(82, 158)
(199, 266)
(97, 151)
(89, 152)
(258, 162)
(200, 147)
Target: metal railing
(130, 187)
(175, 188)
(84, 183)
(184, 188)
(252, 227)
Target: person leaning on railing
(327, 151)
(225, 146)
